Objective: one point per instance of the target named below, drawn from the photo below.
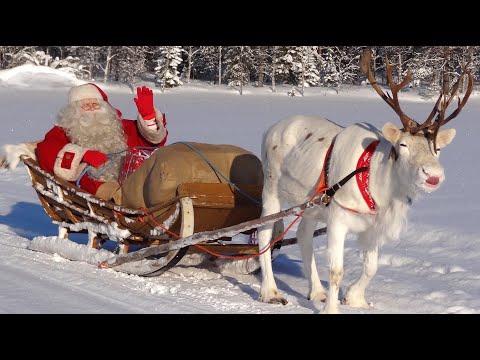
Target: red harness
(362, 177)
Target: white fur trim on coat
(76, 166)
(11, 154)
(154, 136)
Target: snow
(29, 75)
(433, 268)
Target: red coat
(58, 155)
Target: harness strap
(322, 182)
(322, 185)
(333, 189)
(362, 179)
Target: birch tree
(130, 64)
(274, 67)
(191, 52)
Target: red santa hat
(87, 91)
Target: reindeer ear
(391, 132)
(445, 137)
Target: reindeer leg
(336, 233)
(268, 292)
(355, 296)
(305, 241)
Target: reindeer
(305, 157)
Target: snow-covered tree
(191, 53)
(72, 65)
(306, 66)
(206, 66)
(6, 55)
(27, 55)
(340, 65)
(273, 72)
(238, 62)
(260, 64)
(166, 72)
(426, 67)
(400, 57)
(285, 65)
(105, 61)
(468, 57)
(88, 59)
(129, 64)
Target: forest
(299, 66)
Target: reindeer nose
(433, 180)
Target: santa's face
(92, 113)
(90, 104)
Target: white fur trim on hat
(84, 91)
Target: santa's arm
(56, 154)
(153, 130)
(151, 121)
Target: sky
(433, 268)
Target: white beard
(100, 130)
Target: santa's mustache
(94, 117)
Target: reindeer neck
(384, 185)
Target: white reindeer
(404, 163)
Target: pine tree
(166, 72)
(238, 62)
(285, 65)
(206, 65)
(305, 66)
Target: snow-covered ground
(434, 268)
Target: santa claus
(87, 146)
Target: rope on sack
(218, 172)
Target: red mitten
(144, 101)
(95, 158)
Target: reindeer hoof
(278, 300)
(358, 303)
(320, 297)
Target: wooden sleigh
(197, 208)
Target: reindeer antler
(430, 130)
(408, 123)
(440, 120)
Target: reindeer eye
(403, 145)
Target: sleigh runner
(197, 209)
